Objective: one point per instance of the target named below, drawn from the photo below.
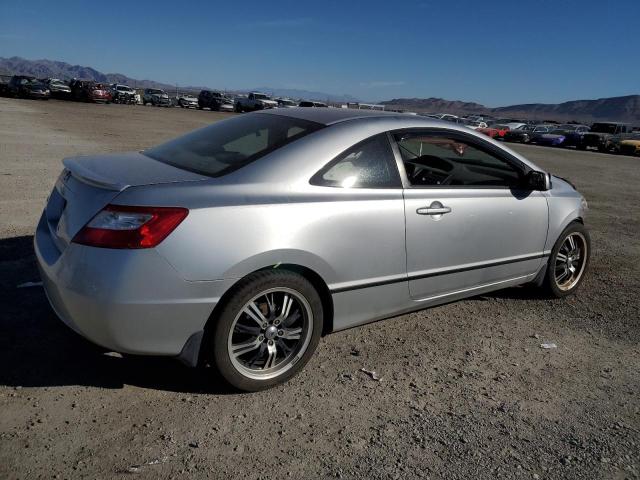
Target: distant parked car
(306, 103)
(4, 84)
(569, 135)
(468, 122)
(494, 131)
(186, 100)
(601, 133)
(58, 88)
(90, 91)
(515, 125)
(626, 144)
(527, 134)
(123, 94)
(156, 97)
(630, 146)
(554, 138)
(24, 86)
(215, 101)
(286, 103)
(255, 101)
(447, 117)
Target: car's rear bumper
(129, 301)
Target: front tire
(266, 331)
(568, 261)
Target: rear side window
(368, 164)
(231, 144)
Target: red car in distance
(494, 131)
(89, 91)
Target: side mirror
(535, 180)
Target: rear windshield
(230, 144)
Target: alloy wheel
(570, 261)
(270, 333)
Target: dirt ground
(466, 390)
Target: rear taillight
(119, 226)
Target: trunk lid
(88, 184)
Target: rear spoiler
(91, 178)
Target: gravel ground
(465, 390)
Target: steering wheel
(445, 165)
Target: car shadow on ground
(38, 350)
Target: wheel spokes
(269, 331)
(291, 333)
(293, 318)
(271, 303)
(253, 311)
(242, 348)
(272, 356)
(247, 329)
(287, 302)
(564, 273)
(569, 261)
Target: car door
(469, 223)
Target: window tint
(369, 164)
(439, 160)
(228, 145)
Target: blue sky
(495, 53)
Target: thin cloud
(382, 83)
(280, 23)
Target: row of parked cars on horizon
(25, 86)
(605, 137)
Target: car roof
(329, 116)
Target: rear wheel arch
(310, 275)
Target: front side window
(439, 160)
(228, 145)
(368, 164)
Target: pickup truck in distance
(601, 134)
(255, 101)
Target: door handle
(436, 208)
(433, 211)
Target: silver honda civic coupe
(238, 245)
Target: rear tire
(266, 331)
(568, 261)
